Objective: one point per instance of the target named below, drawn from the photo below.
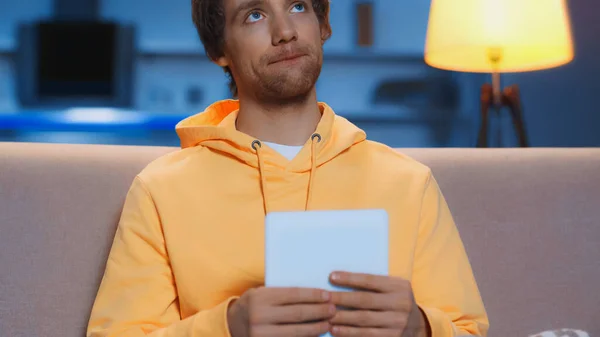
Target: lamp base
(509, 98)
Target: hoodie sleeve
(443, 283)
(137, 295)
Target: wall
(172, 76)
(561, 105)
(171, 67)
(348, 81)
(12, 13)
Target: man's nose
(283, 30)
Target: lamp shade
(498, 35)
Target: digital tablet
(303, 248)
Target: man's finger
(283, 296)
(349, 331)
(363, 300)
(292, 330)
(369, 318)
(378, 283)
(293, 314)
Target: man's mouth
(288, 57)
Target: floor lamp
(498, 36)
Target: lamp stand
(493, 97)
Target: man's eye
(298, 8)
(254, 16)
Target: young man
(187, 258)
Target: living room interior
(91, 92)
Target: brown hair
(209, 19)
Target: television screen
(76, 59)
(66, 63)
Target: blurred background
(126, 71)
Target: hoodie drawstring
(257, 146)
(313, 167)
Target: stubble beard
(284, 86)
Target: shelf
(356, 56)
(113, 120)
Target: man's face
(273, 47)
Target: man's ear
(325, 32)
(222, 61)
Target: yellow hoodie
(190, 239)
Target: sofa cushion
(59, 206)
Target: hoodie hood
(215, 128)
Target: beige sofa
(529, 218)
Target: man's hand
(280, 312)
(381, 306)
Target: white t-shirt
(288, 151)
